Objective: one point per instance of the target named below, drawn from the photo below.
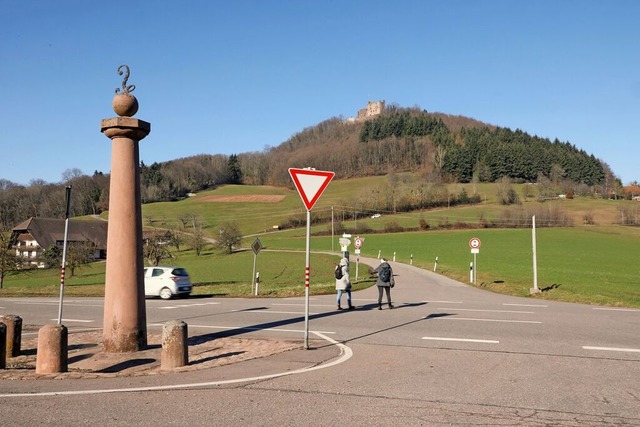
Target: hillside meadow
(593, 264)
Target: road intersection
(449, 353)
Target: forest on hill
(438, 147)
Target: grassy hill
(592, 262)
(256, 209)
(589, 263)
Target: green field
(587, 264)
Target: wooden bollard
(52, 356)
(13, 338)
(3, 344)
(175, 352)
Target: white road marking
(445, 302)
(272, 311)
(488, 311)
(75, 320)
(187, 305)
(616, 309)
(299, 305)
(527, 305)
(345, 354)
(628, 350)
(480, 320)
(67, 303)
(462, 340)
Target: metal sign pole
(310, 184)
(64, 253)
(253, 275)
(475, 268)
(306, 283)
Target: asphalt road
(448, 354)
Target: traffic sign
(474, 243)
(256, 246)
(310, 184)
(358, 242)
(344, 242)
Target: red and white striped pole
(64, 254)
(306, 283)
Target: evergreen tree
(234, 170)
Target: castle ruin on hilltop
(373, 108)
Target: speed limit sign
(474, 243)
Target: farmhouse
(34, 236)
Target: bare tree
(505, 192)
(175, 238)
(8, 259)
(156, 248)
(197, 235)
(78, 255)
(230, 237)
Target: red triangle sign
(310, 184)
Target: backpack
(385, 274)
(338, 272)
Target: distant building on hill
(373, 108)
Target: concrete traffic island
(87, 361)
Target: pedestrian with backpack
(385, 282)
(343, 282)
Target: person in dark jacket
(344, 283)
(385, 282)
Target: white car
(374, 216)
(165, 282)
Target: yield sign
(310, 184)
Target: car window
(157, 272)
(179, 272)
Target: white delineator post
(535, 289)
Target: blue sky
(235, 76)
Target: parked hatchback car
(165, 282)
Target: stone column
(125, 328)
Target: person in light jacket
(344, 283)
(385, 282)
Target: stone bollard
(52, 350)
(3, 344)
(175, 352)
(14, 334)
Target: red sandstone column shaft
(124, 306)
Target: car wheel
(165, 293)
